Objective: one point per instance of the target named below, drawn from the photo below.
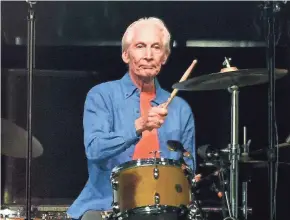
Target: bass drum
(154, 189)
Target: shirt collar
(129, 89)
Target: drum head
(146, 162)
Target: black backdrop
(59, 98)
(60, 173)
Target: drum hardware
(115, 184)
(155, 173)
(30, 68)
(195, 212)
(225, 183)
(157, 198)
(155, 170)
(17, 213)
(107, 215)
(245, 154)
(9, 213)
(220, 209)
(140, 193)
(116, 207)
(235, 150)
(232, 81)
(174, 145)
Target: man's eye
(139, 45)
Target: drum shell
(135, 186)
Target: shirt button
(137, 111)
(127, 94)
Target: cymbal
(260, 163)
(14, 141)
(284, 145)
(245, 162)
(224, 80)
(264, 150)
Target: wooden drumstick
(183, 78)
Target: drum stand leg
(245, 183)
(234, 151)
(225, 198)
(245, 199)
(195, 211)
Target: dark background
(85, 37)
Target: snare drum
(150, 186)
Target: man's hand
(153, 120)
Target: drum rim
(153, 210)
(146, 162)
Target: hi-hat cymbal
(14, 141)
(224, 80)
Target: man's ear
(164, 59)
(125, 56)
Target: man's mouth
(147, 67)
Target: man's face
(146, 53)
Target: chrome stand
(245, 155)
(30, 68)
(234, 150)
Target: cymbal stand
(245, 183)
(234, 150)
(269, 9)
(30, 67)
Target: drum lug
(157, 198)
(115, 184)
(116, 207)
(156, 173)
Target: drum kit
(162, 188)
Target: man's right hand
(155, 119)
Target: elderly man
(125, 119)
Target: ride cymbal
(224, 80)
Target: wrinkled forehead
(148, 32)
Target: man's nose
(148, 54)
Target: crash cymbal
(223, 80)
(14, 141)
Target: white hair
(128, 35)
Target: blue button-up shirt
(110, 111)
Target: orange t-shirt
(149, 140)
